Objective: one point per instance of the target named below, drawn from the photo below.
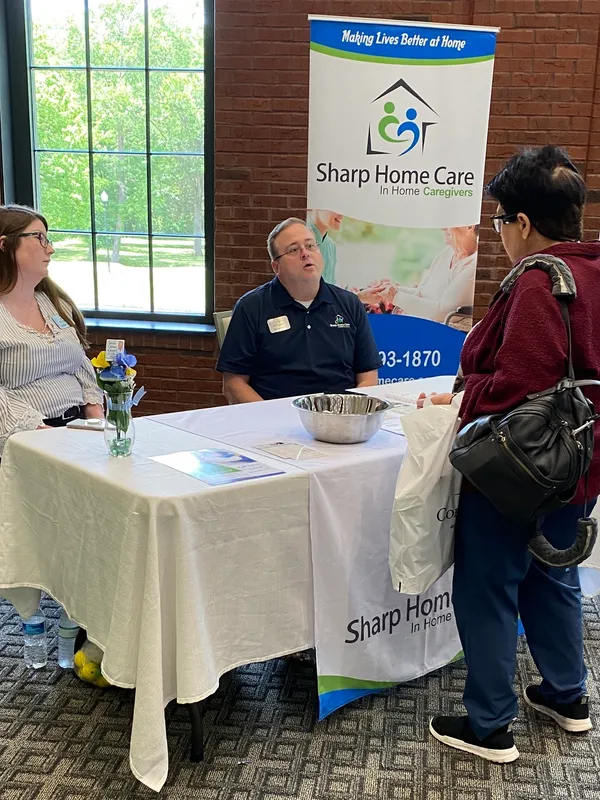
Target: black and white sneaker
(456, 732)
(573, 717)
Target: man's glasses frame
(41, 237)
(296, 249)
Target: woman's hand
(93, 411)
(443, 399)
(369, 296)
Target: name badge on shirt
(279, 324)
(59, 321)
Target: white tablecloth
(351, 496)
(178, 582)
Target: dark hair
(14, 220)
(545, 185)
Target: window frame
(17, 163)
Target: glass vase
(119, 432)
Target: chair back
(222, 320)
(461, 318)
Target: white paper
(402, 399)
(393, 423)
(217, 467)
(292, 450)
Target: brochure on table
(217, 467)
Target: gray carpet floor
(63, 740)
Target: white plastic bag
(426, 500)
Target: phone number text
(411, 358)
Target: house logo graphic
(339, 322)
(403, 118)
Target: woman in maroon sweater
(520, 347)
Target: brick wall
(176, 369)
(546, 89)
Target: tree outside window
(118, 133)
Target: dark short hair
(545, 185)
(280, 228)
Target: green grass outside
(133, 251)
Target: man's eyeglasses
(498, 220)
(41, 237)
(295, 250)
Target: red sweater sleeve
(528, 352)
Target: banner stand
(398, 120)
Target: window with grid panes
(118, 94)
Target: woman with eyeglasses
(45, 377)
(519, 348)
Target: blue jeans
(496, 580)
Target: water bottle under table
(36, 643)
(67, 633)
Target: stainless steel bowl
(341, 418)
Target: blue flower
(113, 373)
(124, 359)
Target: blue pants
(495, 580)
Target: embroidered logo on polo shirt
(339, 322)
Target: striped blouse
(41, 374)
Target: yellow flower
(131, 373)
(100, 361)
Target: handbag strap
(563, 282)
(565, 291)
(563, 288)
(564, 310)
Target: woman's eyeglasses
(41, 237)
(498, 220)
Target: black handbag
(529, 461)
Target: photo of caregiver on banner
(397, 135)
(398, 120)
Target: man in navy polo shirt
(296, 334)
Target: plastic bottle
(36, 644)
(67, 631)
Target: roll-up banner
(398, 121)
